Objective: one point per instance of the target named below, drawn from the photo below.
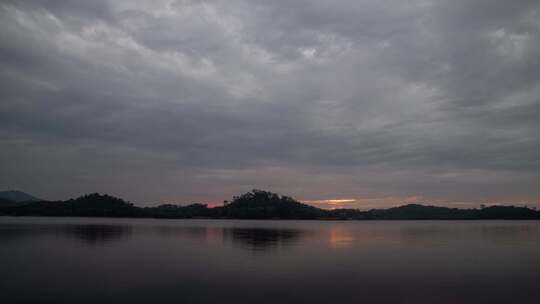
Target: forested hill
(14, 197)
(256, 204)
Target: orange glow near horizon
(395, 201)
(364, 203)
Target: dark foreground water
(81, 260)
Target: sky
(356, 104)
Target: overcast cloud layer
(368, 103)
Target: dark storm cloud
(197, 100)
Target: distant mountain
(257, 204)
(17, 196)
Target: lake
(91, 260)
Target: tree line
(256, 204)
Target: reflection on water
(66, 260)
(10, 233)
(341, 237)
(250, 239)
(95, 234)
(181, 231)
(88, 234)
(256, 240)
(432, 233)
(261, 239)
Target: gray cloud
(198, 100)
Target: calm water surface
(82, 260)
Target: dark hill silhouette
(259, 204)
(93, 205)
(256, 204)
(176, 211)
(17, 196)
(421, 212)
(7, 203)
